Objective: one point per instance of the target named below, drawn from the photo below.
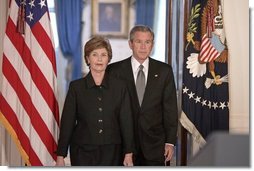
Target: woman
(96, 121)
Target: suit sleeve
(170, 113)
(68, 122)
(126, 123)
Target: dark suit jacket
(96, 115)
(157, 119)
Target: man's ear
(130, 44)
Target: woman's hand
(60, 161)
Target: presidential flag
(205, 94)
(28, 99)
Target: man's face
(141, 45)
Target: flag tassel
(21, 19)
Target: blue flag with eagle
(205, 95)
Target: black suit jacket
(157, 119)
(96, 115)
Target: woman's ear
(87, 60)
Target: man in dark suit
(155, 111)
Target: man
(155, 109)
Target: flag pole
(183, 146)
(183, 162)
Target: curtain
(69, 26)
(145, 12)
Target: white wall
(119, 46)
(236, 20)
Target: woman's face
(98, 60)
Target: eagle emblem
(212, 47)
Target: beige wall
(236, 20)
(120, 46)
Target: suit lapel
(152, 78)
(128, 73)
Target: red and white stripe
(28, 99)
(207, 53)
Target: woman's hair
(141, 28)
(97, 42)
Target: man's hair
(141, 28)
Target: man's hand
(169, 151)
(128, 160)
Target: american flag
(28, 99)
(208, 52)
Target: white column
(236, 20)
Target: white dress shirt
(135, 68)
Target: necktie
(140, 84)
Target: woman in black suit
(96, 121)
(155, 111)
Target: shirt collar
(135, 64)
(91, 83)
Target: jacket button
(100, 120)
(100, 131)
(100, 109)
